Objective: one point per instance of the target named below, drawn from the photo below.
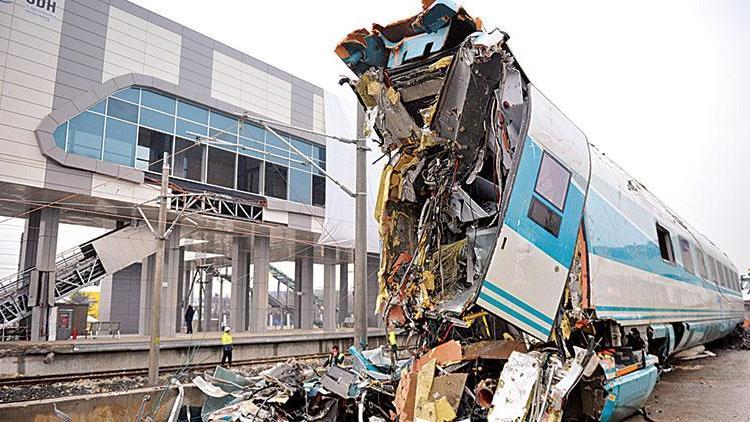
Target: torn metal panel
(493, 349)
(406, 396)
(339, 381)
(445, 354)
(514, 388)
(424, 408)
(450, 387)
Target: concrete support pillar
(373, 288)
(144, 306)
(238, 299)
(105, 298)
(261, 262)
(329, 289)
(39, 249)
(303, 286)
(343, 291)
(181, 282)
(170, 312)
(208, 296)
(125, 298)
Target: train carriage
(493, 202)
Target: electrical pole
(153, 351)
(360, 247)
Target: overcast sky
(661, 87)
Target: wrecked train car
(499, 221)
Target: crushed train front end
(480, 212)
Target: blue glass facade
(136, 126)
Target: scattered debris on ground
(738, 340)
(70, 388)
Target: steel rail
(51, 379)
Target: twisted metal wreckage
(484, 272)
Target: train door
(541, 219)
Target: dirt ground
(710, 389)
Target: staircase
(74, 269)
(289, 283)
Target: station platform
(85, 355)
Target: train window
(552, 181)
(711, 267)
(544, 216)
(722, 275)
(665, 243)
(687, 255)
(701, 264)
(728, 282)
(736, 278)
(717, 270)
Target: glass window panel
(151, 148)
(60, 134)
(220, 167)
(277, 156)
(717, 271)
(183, 127)
(726, 275)
(223, 123)
(319, 153)
(158, 101)
(223, 136)
(300, 186)
(319, 191)
(248, 174)
(543, 215)
(276, 180)
(303, 147)
(156, 120)
(711, 264)
(99, 107)
(85, 134)
(251, 131)
(273, 140)
(322, 165)
(701, 264)
(257, 148)
(188, 160)
(665, 243)
(552, 182)
(299, 163)
(122, 110)
(119, 142)
(306, 149)
(192, 112)
(128, 94)
(687, 256)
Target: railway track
(43, 379)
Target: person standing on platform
(189, 312)
(227, 344)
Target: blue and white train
(493, 201)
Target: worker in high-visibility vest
(335, 357)
(227, 344)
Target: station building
(92, 97)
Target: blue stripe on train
(662, 310)
(510, 311)
(516, 301)
(612, 236)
